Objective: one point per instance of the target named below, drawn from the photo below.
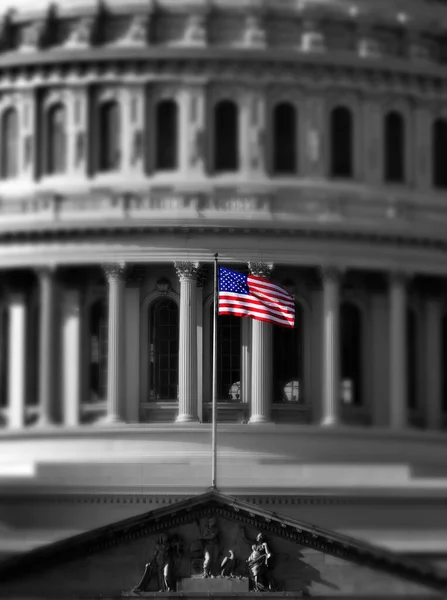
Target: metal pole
(214, 429)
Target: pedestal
(217, 585)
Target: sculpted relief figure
(258, 565)
(210, 542)
(161, 566)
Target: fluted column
(331, 346)
(17, 359)
(261, 365)
(188, 273)
(115, 274)
(433, 361)
(398, 347)
(48, 322)
(71, 357)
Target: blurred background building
(305, 140)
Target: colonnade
(261, 378)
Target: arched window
(228, 357)
(167, 141)
(284, 138)
(109, 136)
(4, 332)
(351, 353)
(341, 142)
(394, 150)
(163, 350)
(288, 360)
(412, 359)
(226, 136)
(56, 137)
(99, 328)
(439, 153)
(9, 140)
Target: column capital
(400, 276)
(47, 271)
(187, 271)
(261, 269)
(330, 273)
(115, 271)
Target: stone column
(398, 348)
(48, 326)
(187, 372)
(115, 274)
(16, 360)
(433, 362)
(331, 346)
(71, 357)
(134, 279)
(261, 365)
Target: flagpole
(214, 428)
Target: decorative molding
(135, 275)
(187, 271)
(137, 33)
(261, 269)
(80, 35)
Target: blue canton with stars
(231, 281)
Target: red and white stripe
(265, 302)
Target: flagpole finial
(216, 255)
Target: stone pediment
(305, 559)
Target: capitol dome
(304, 143)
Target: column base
(187, 419)
(254, 419)
(44, 422)
(329, 422)
(109, 420)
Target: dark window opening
(394, 151)
(228, 357)
(166, 126)
(163, 350)
(4, 335)
(341, 142)
(10, 147)
(440, 153)
(226, 136)
(288, 360)
(412, 359)
(109, 136)
(99, 328)
(284, 139)
(351, 353)
(56, 138)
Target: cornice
(66, 67)
(273, 499)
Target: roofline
(214, 502)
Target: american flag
(251, 296)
